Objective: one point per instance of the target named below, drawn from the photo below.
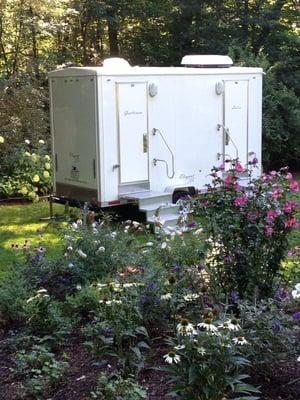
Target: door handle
(145, 142)
(226, 137)
(116, 166)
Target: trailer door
(133, 132)
(236, 120)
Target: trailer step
(152, 203)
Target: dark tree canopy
(38, 35)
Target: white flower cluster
(40, 294)
(186, 328)
(296, 292)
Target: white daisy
(81, 254)
(179, 347)
(240, 340)
(201, 350)
(231, 325)
(296, 291)
(208, 326)
(172, 357)
(298, 359)
(101, 285)
(101, 249)
(186, 328)
(41, 291)
(191, 296)
(166, 296)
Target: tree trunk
(112, 37)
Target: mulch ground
(282, 383)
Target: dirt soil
(80, 379)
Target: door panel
(236, 119)
(133, 132)
(74, 129)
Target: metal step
(164, 210)
(150, 201)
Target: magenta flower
(221, 167)
(294, 186)
(268, 230)
(271, 215)
(290, 206)
(276, 194)
(229, 180)
(291, 222)
(239, 168)
(241, 201)
(237, 187)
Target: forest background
(36, 36)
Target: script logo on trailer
(126, 113)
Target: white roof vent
(206, 61)
(116, 62)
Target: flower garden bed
(122, 314)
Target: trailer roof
(133, 71)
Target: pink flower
(229, 180)
(268, 230)
(265, 178)
(294, 186)
(276, 194)
(273, 173)
(289, 176)
(237, 187)
(241, 201)
(239, 168)
(221, 167)
(291, 222)
(290, 206)
(271, 215)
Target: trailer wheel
(179, 195)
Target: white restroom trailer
(123, 133)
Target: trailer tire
(179, 195)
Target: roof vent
(116, 62)
(206, 61)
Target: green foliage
(117, 327)
(206, 362)
(24, 116)
(13, 295)
(115, 387)
(45, 316)
(281, 115)
(27, 174)
(40, 369)
(271, 332)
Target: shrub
(271, 331)
(117, 328)
(13, 295)
(247, 227)
(59, 276)
(40, 369)
(115, 387)
(45, 316)
(28, 173)
(98, 251)
(206, 362)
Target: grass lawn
(22, 222)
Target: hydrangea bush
(246, 226)
(30, 174)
